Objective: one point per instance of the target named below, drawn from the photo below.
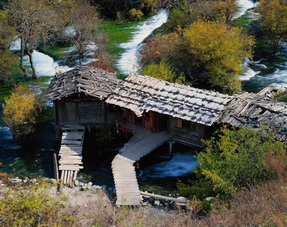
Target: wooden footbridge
(142, 143)
(71, 153)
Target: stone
(157, 202)
(77, 182)
(96, 187)
(181, 199)
(15, 180)
(209, 198)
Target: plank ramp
(71, 153)
(127, 188)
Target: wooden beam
(147, 194)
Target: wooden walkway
(142, 143)
(71, 153)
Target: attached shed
(185, 112)
(253, 110)
(78, 96)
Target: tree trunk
(34, 73)
(21, 65)
(81, 56)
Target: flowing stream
(129, 63)
(262, 72)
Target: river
(264, 72)
(129, 62)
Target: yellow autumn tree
(273, 21)
(20, 112)
(218, 49)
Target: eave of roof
(143, 93)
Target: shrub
(32, 206)
(164, 71)
(135, 14)
(234, 159)
(160, 47)
(20, 111)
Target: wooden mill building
(153, 111)
(79, 97)
(79, 102)
(183, 111)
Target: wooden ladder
(71, 153)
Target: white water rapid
(264, 72)
(243, 7)
(128, 62)
(181, 164)
(44, 64)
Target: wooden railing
(125, 127)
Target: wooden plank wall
(186, 132)
(85, 112)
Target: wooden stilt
(170, 146)
(56, 168)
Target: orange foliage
(160, 47)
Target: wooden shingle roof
(253, 110)
(86, 79)
(143, 93)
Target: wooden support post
(56, 167)
(62, 180)
(170, 146)
(68, 177)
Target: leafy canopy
(163, 71)
(20, 111)
(273, 21)
(233, 159)
(7, 61)
(218, 49)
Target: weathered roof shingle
(86, 79)
(253, 110)
(143, 93)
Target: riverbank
(36, 203)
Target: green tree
(233, 159)
(84, 19)
(7, 61)
(273, 21)
(34, 21)
(20, 111)
(7, 32)
(218, 49)
(186, 12)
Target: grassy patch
(56, 51)
(117, 33)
